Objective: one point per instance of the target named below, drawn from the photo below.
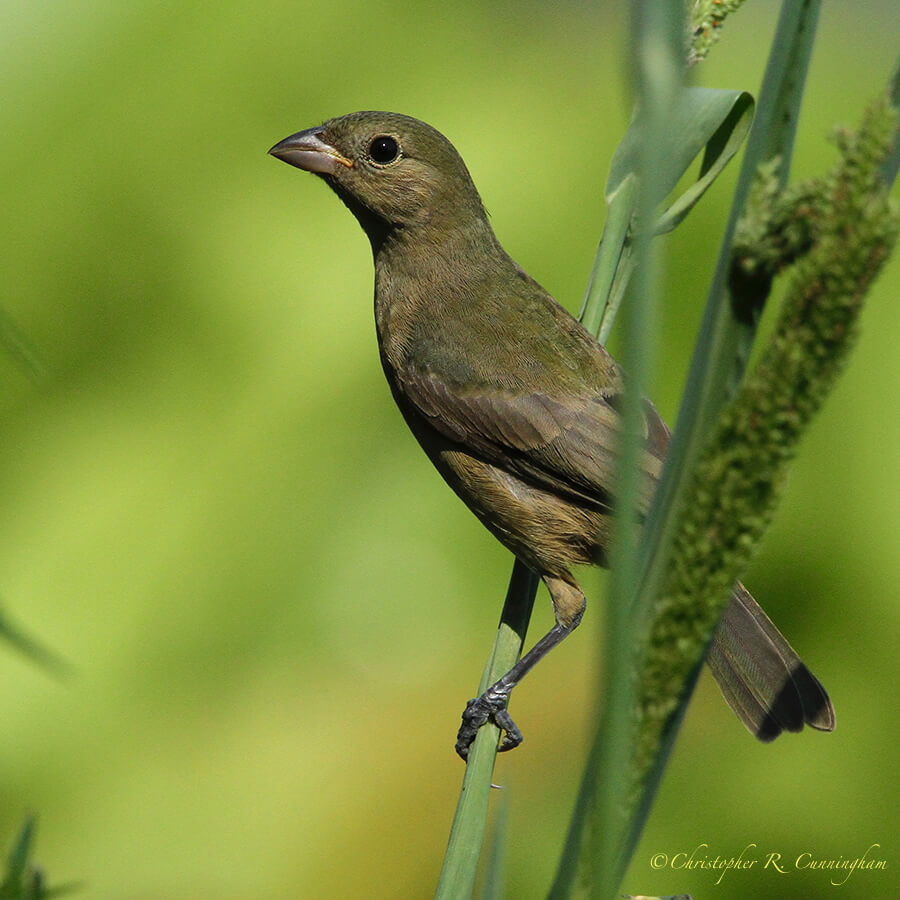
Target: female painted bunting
(514, 401)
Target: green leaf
(703, 118)
(733, 110)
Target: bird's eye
(384, 149)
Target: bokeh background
(273, 608)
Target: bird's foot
(489, 707)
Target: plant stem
(470, 822)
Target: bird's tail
(761, 676)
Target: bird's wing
(565, 444)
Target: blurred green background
(274, 608)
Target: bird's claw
(483, 709)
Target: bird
(515, 403)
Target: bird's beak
(306, 150)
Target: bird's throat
(426, 279)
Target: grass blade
(719, 360)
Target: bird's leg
(568, 603)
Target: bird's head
(391, 170)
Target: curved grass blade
(714, 122)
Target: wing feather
(566, 444)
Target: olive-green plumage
(512, 399)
